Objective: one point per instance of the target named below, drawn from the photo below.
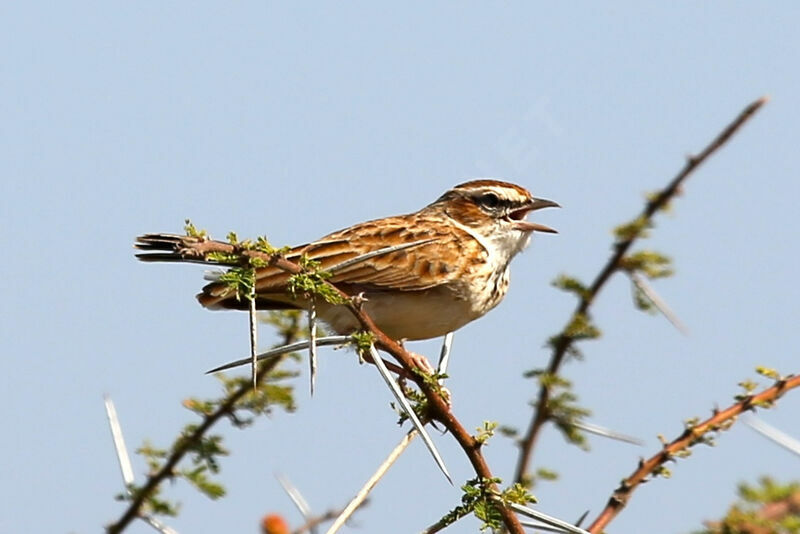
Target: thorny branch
(185, 446)
(312, 522)
(563, 342)
(438, 408)
(199, 247)
(693, 434)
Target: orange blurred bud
(274, 524)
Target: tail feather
(175, 248)
(168, 248)
(166, 257)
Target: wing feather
(420, 267)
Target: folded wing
(406, 253)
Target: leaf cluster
(650, 263)
(192, 231)
(154, 503)
(768, 507)
(203, 457)
(749, 386)
(205, 451)
(563, 408)
(485, 432)
(634, 229)
(479, 498)
(313, 282)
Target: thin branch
(563, 343)
(361, 496)
(183, 446)
(394, 387)
(314, 522)
(311, 522)
(720, 420)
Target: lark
(419, 275)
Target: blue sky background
(123, 118)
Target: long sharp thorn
(540, 527)
(444, 355)
(546, 519)
(298, 345)
(398, 394)
(606, 433)
(119, 443)
(582, 518)
(295, 495)
(253, 338)
(125, 463)
(158, 525)
(312, 342)
(778, 436)
(648, 291)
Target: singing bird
(420, 275)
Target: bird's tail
(216, 295)
(172, 248)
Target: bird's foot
(421, 363)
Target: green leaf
(192, 231)
(633, 229)
(648, 262)
(485, 432)
(571, 285)
(580, 328)
(240, 280)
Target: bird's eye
(489, 200)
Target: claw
(422, 363)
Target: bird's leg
(419, 361)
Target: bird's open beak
(518, 216)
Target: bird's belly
(411, 315)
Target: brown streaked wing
(417, 268)
(413, 269)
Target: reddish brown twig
(183, 447)
(196, 248)
(563, 343)
(720, 420)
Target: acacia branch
(563, 342)
(184, 446)
(197, 248)
(720, 420)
